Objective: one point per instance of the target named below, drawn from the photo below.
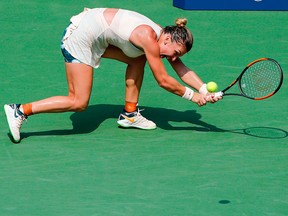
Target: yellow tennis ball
(211, 87)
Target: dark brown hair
(180, 33)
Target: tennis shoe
(15, 120)
(136, 120)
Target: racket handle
(219, 94)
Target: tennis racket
(259, 80)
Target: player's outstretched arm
(189, 77)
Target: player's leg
(79, 78)
(133, 80)
(134, 77)
(131, 117)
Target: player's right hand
(212, 98)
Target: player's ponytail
(180, 33)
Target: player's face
(171, 50)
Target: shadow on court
(93, 116)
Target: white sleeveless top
(89, 35)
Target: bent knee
(79, 107)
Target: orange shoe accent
(27, 109)
(129, 119)
(130, 106)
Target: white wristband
(188, 94)
(203, 89)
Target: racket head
(261, 79)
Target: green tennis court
(228, 158)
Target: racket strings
(261, 79)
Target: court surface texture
(228, 158)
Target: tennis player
(126, 36)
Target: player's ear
(167, 39)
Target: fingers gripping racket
(259, 80)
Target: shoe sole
(6, 114)
(139, 127)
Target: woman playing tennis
(126, 36)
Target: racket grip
(219, 94)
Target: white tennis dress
(89, 35)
